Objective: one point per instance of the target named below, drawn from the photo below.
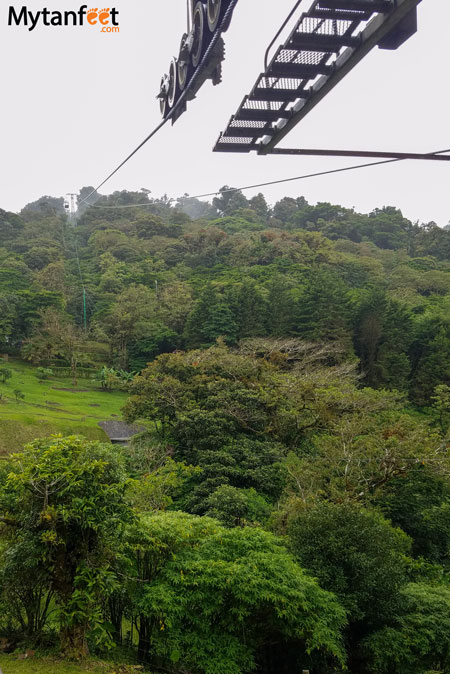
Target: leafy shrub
(5, 374)
(44, 373)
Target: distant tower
(70, 204)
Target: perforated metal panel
(322, 42)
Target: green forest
(286, 503)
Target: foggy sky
(75, 102)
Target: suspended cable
(181, 101)
(342, 169)
(153, 133)
(309, 175)
(178, 104)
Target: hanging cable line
(392, 25)
(342, 169)
(153, 133)
(178, 104)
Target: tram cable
(178, 104)
(342, 169)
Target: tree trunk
(73, 642)
(116, 614)
(144, 639)
(72, 636)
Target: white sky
(75, 102)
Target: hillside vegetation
(288, 506)
(157, 280)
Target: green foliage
(441, 403)
(156, 490)
(420, 504)
(108, 377)
(356, 554)
(360, 455)
(294, 312)
(5, 374)
(131, 321)
(323, 312)
(230, 201)
(162, 339)
(11, 226)
(431, 366)
(211, 318)
(280, 307)
(383, 338)
(244, 466)
(266, 595)
(215, 406)
(250, 311)
(418, 639)
(237, 507)
(57, 337)
(43, 373)
(64, 500)
(18, 395)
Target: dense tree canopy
(376, 283)
(287, 506)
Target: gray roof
(119, 430)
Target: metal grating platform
(325, 44)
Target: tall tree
(383, 334)
(250, 311)
(211, 317)
(132, 317)
(229, 201)
(230, 600)
(323, 310)
(64, 502)
(57, 336)
(430, 356)
(357, 555)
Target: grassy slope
(10, 665)
(46, 410)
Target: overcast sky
(75, 102)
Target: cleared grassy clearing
(52, 406)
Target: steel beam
(360, 153)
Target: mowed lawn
(47, 408)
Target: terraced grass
(52, 406)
